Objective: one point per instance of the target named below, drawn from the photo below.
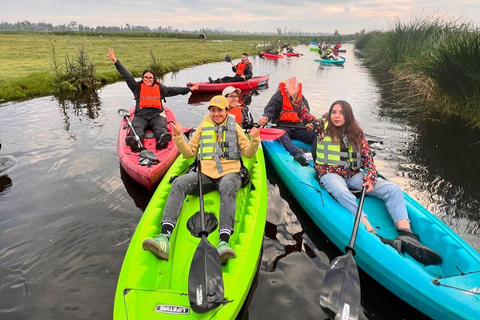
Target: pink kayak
(292, 54)
(255, 82)
(270, 55)
(148, 176)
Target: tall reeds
(432, 62)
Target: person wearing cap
(282, 109)
(237, 108)
(243, 71)
(220, 164)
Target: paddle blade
(340, 293)
(227, 58)
(271, 133)
(205, 279)
(123, 113)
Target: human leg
(228, 187)
(139, 124)
(338, 188)
(159, 126)
(159, 245)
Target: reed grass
(433, 63)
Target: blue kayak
(340, 61)
(450, 290)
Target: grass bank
(27, 63)
(432, 63)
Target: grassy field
(26, 58)
(432, 63)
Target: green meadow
(28, 59)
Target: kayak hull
(149, 177)
(149, 288)
(340, 61)
(291, 54)
(271, 55)
(254, 82)
(411, 281)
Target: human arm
(189, 149)
(248, 72)
(272, 110)
(368, 165)
(127, 75)
(248, 147)
(174, 91)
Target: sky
(325, 16)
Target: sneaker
(225, 252)
(408, 242)
(133, 144)
(158, 245)
(211, 80)
(301, 159)
(164, 140)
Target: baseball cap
(219, 102)
(229, 90)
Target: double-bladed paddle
(125, 114)
(340, 293)
(271, 133)
(205, 279)
(227, 58)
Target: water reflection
(83, 104)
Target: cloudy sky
(346, 16)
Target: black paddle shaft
(357, 222)
(200, 189)
(126, 116)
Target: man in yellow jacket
(219, 142)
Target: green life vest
(226, 148)
(328, 153)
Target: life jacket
(241, 68)
(226, 148)
(288, 114)
(329, 153)
(150, 97)
(242, 116)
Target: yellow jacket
(209, 167)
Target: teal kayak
(450, 290)
(340, 61)
(149, 288)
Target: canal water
(68, 211)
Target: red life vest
(150, 97)
(237, 113)
(288, 114)
(241, 68)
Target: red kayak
(292, 54)
(255, 82)
(270, 55)
(339, 50)
(148, 176)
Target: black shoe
(407, 242)
(164, 140)
(211, 80)
(218, 81)
(301, 159)
(133, 144)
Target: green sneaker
(225, 252)
(158, 245)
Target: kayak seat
(149, 134)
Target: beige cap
(229, 90)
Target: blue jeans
(227, 186)
(302, 134)
(388, 191)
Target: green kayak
(149, 288)
(340, 61)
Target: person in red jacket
(149, 112)
(243, 71)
